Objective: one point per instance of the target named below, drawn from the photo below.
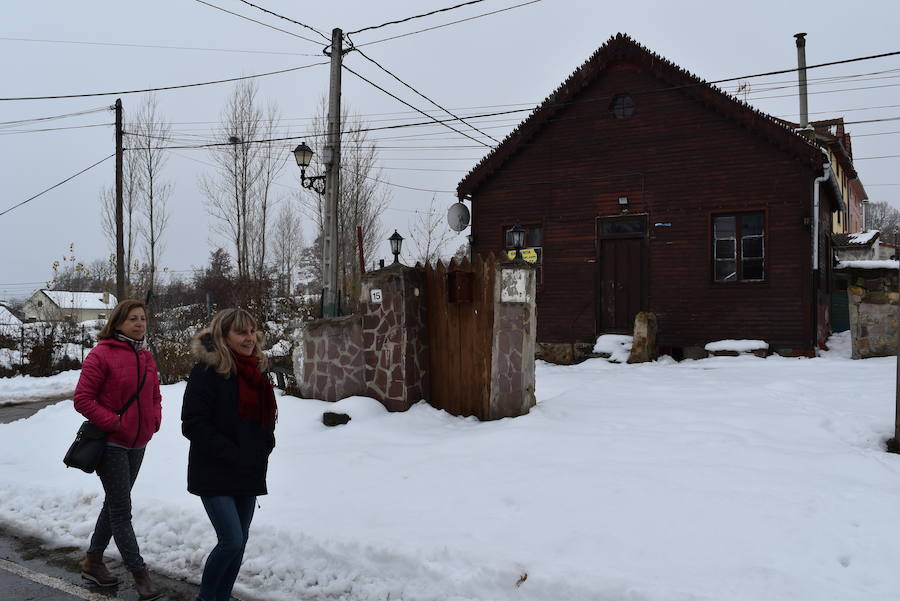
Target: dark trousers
(118, 470)
(231, 517)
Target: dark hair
(118, 317)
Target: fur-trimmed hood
(203, 348)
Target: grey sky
(513, 59)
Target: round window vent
(622, 106)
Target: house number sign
(375, 294)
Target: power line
(54, 117)
(434, 12)
(327, 39)
(255, 21)
(886, 156)
(41, 193)
(176, 87)
(403, 35)
(156, 46)
(397, 98)
(11, 132)
(377, 64)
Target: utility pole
(120, 228)
(331, 293)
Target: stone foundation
(328, 362)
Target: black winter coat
(228, 455)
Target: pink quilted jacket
(109, 377)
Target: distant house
(61, 305)
(644, 188)
(862, 246)
(9, 323)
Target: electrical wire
(31, 131)
(434, 12)
(54, 117)
(71, 177)
(313, 29)
(451, 23)
(255, 21)
(397, 98)
(377, 64)
(157, 46)
(161, 88)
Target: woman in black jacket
(228, 414)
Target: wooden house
(642, 187)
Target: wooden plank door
(622, 277)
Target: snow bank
(737, 346)
(871, 264)
(24, 388)
(731, 478)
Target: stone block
(695, 352)
(643, 348)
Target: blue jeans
(231, 517)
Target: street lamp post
(396, 241)
(303, 155)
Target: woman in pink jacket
(118, 368)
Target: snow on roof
(883, 264)
(80, 300)
(738, 346)
(863, 237)
(7, 318)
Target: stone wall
(328, 362)
(873, 298)
(395, 339)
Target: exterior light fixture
(515, 237)
(396, 241)
(304, 154)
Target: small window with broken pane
(739, 252)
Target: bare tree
(287, 244)
(883, 217)
(238, 193)
(363, 197)
(148, 136)
(430, 234)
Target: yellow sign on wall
(531, 255)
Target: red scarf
(256, 399)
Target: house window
(739, 247)
(622, 106)
(533, 250)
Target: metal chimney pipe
(801, 76)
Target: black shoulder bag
(90, 441)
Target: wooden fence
(460, 311)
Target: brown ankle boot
(94, 570)
(144, 587)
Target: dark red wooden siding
(680, 162)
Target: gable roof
(622, 48)
(80, 300)
(858, 240)
(7, 318)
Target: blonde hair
(223, 322)
(118, 316)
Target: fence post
(22, 349)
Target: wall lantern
(515, 237)
(396, 241)
(623, 203)
(304, 154)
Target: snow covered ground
(729, 478)
(19, 389)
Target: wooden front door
(622, 277)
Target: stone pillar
(873, 301)
(395, 338)
(328, 362)
(514, 336)
(643, 346)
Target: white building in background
(9, 323)
(862, 246)
(62, 305)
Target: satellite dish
(458, 217)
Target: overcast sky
(509, 60)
